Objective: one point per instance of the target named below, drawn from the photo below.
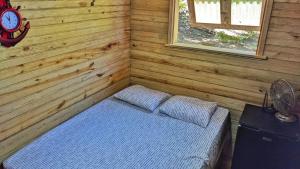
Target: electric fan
(284, 98)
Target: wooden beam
(265, 21)
(173, 22)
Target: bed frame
(225, 147)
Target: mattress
(114, 134)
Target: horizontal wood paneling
(231, 80)
(76, 54)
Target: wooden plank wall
(230, 80)
(76, 53)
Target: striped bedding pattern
(142, 97)
(189, 109)
(114, 134)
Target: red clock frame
(18, 15)
(7, 38)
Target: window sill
(250, 55)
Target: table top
(254, 117)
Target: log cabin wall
(229, 80)
(76, 53)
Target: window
(233, 26)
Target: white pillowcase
(143, 97)
(189, 109)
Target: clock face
(10, 20)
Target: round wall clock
(11, 23)
(10, 20)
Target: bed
(114, 134)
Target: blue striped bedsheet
(114, 134)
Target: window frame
(263, 28)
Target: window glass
(208, 11)
(246, 12)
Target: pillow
(189, 109)
(143, 97)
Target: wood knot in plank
(100, 74)
(93, 3)
(92, 64)
(61, 104)
(26, 48)
(109, 46)
(82, 4)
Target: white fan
(284, 99)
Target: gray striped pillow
(143, 97)
(189, 109)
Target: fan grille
(283, 96)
